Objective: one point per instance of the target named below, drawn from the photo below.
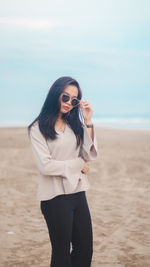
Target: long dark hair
(51, 108)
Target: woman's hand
(87, 111)
(85, 168)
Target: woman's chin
(65, 111)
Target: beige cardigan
(60, 163)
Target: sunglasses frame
(71, 99)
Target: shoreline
(97, 126)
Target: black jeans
(69, 222)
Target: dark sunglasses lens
(75, 102)
(65, 98)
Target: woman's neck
(60, 117)
(60, 123)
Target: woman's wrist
(89, 125)
(81, 160)
(88, 122)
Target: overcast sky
(105, 45)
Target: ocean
(132, 121)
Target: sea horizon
(131, 121)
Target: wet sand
(119, 201)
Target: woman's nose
(69, 101)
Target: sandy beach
(119, 201)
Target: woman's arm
(44, 161)
(88, 149)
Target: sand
(119, 201)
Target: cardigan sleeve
(44, 161)
(88, 150)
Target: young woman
(63, 141)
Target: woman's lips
(66, 108)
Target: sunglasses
(74, 101)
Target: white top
(60, 163)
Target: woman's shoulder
(34, 128)
(35, 125)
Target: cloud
(27, 23)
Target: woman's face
(72, 91)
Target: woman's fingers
(86, 168)
(85, 103)
(86, 108)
